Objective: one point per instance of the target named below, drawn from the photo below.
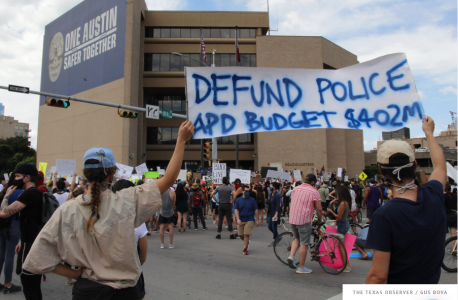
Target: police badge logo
(56, 53)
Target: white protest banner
(297, 175)
(378, 95)
(243, 175)
(219, 171)
(6, 176)
(141, 169)
(278, 174)
(182, 175)
(65, 166)
(124, 172)
(339, 172)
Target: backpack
(260, 198)
(196, 199)
(50, 204)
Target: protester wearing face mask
(29, 203)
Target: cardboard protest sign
(278, 174)
(65, 166)
(124, 172)
(265, 169)
(243, 175)
(219, 171)
(182, 175)
(141, 169)
(377, 95)
(196, 176)
(42, 167)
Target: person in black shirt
(407, 233)
(29, 203)
(450, 209)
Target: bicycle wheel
(282, 247)
(449, 262)
(329, 255)
(355, 229)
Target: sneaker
(69, 282)
(205, 228)
(196, 229)
(292, 262)
(235, 229)
(271, 244)
(162, 246)
(167, 231)
(171, 246)
(304, 270)
(232, 237)
(245, 251)
(148, 234)
(347, 270)
(12, 289)
(155, 231)
(226, 228)
(218, 236)
(214, 222)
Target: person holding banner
(95, 231)
(408, 232)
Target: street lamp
(179, 54)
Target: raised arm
(437, 156)
(13, 208)
(185, 133)
(54, 181)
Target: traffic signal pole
(135, 108)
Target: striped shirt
(302, 204)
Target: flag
(204, 55)
(237, 52)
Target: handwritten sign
(377, 95)
(219, 171)
(297, 175)
(65, 166)
(124, 172)
(278, 174)
(243, 175)
(339, 172)
(141, 169)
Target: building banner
(379, 95)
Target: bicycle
(449, 261)
(325, 249)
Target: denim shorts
(342, 227)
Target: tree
(14, 151)
(371, 171)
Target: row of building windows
(168, 62)
(20, 127)
(169, 135)
(244, 33)
(20, 133)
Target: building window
(161, 135)
(175, 103)
(15, 127)
(244, 33)
(22, 127)
(15, 133)
(167, 62)
(244, 139)
(21, 134)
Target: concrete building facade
(153, 75)
(9, 127)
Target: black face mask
(18, 183)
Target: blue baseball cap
(103, 155)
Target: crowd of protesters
(100, 225)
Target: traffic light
(207, 151)
(57, 103)
(128, 114)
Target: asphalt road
(202, 267)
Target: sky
(425, 30)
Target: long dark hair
(344, 195)
(180, 192)
(96, 177)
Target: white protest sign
(451, 172)
(297, 175)
(243, 175)
(339, 172)
(161, 171)
(327, 175)
(219, 171)
(345, 178)
(65, 166)
(53, 169)
(182, 175)
(6, 176)
(378, 95)
(278, 174)
(141, 169)
(124, 172)
(135, 177)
